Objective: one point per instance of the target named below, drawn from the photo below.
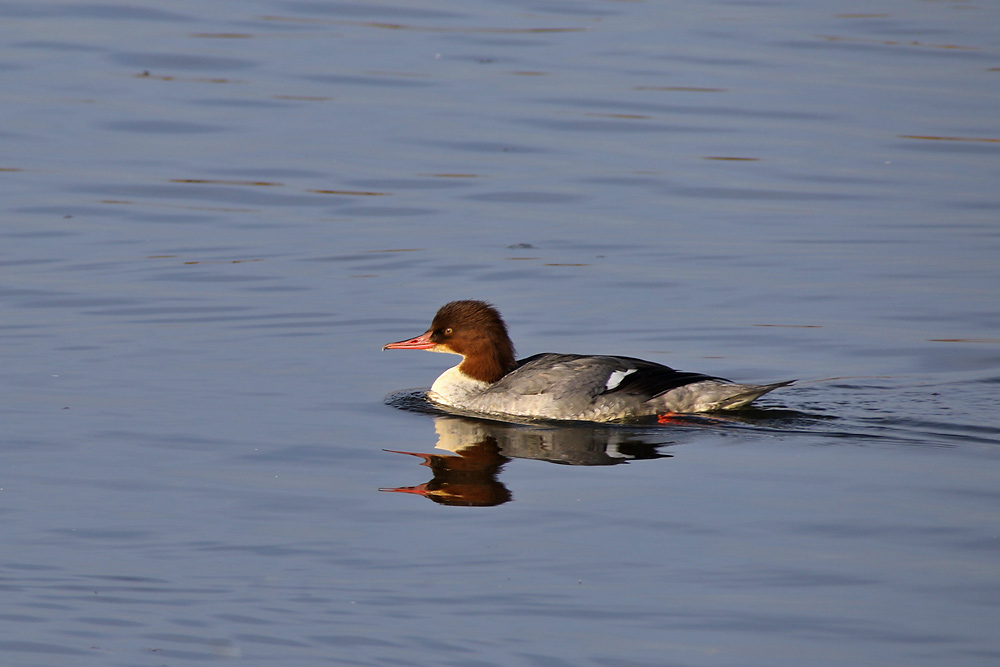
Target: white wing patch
(616, 378)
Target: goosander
(490, 381)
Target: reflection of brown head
(472, 494)
(468, 479)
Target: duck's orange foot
(671, 418)
(687, 418)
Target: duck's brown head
(472, 329)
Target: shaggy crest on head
(479, 334)
(490, 380)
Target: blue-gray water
(214, 215)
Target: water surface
(214, 215)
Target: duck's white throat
(455, 388)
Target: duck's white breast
(455, 388)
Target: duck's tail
(744, 394)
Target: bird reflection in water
(468, 478)
(469, 474)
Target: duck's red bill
(421, 342)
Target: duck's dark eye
(448, 331)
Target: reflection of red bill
(425, 457)
(420, 490)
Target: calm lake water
(214, 215)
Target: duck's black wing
(595, 375)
